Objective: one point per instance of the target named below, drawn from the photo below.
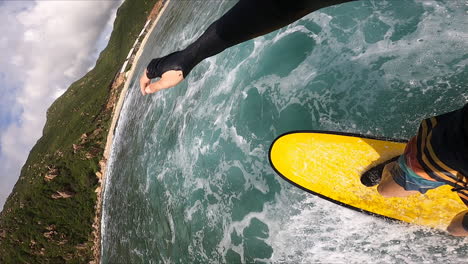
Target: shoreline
(102, 175)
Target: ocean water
(189, 179)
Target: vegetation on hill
(49, 215)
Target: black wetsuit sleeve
(244, 21)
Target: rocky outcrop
(49, 177)
(32, 243)
(50, 234)
(62, 195)
(97, 131)
(76, 148)
(155, 11)
(51, 174)
(102, 164)
(59, 153)
(83, 138)
(114, 97)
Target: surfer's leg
(401, 180)
(388, 187)
(459, 224)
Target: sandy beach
(154, 17)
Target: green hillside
(49, 215)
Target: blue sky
(44, 47)
(6, 115)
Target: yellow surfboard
(330, 164)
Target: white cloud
(46, 45)
(17, 60)
(31, 36)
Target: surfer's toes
(373, 176)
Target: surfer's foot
(373, 176)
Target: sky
(44, 47)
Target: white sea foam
(320, 231)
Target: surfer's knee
(388, 190)
(384, 191)
(459, 224)
(391, 189)
(388, 187)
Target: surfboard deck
(329, 164)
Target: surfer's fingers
(144, 82)
(168, 79)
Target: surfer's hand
(144, 82)
(168, 79)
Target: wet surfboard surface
(329, 164)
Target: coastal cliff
(53, 213)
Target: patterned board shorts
(409, 180)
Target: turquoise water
(189, 179)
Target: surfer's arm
(244, 21)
